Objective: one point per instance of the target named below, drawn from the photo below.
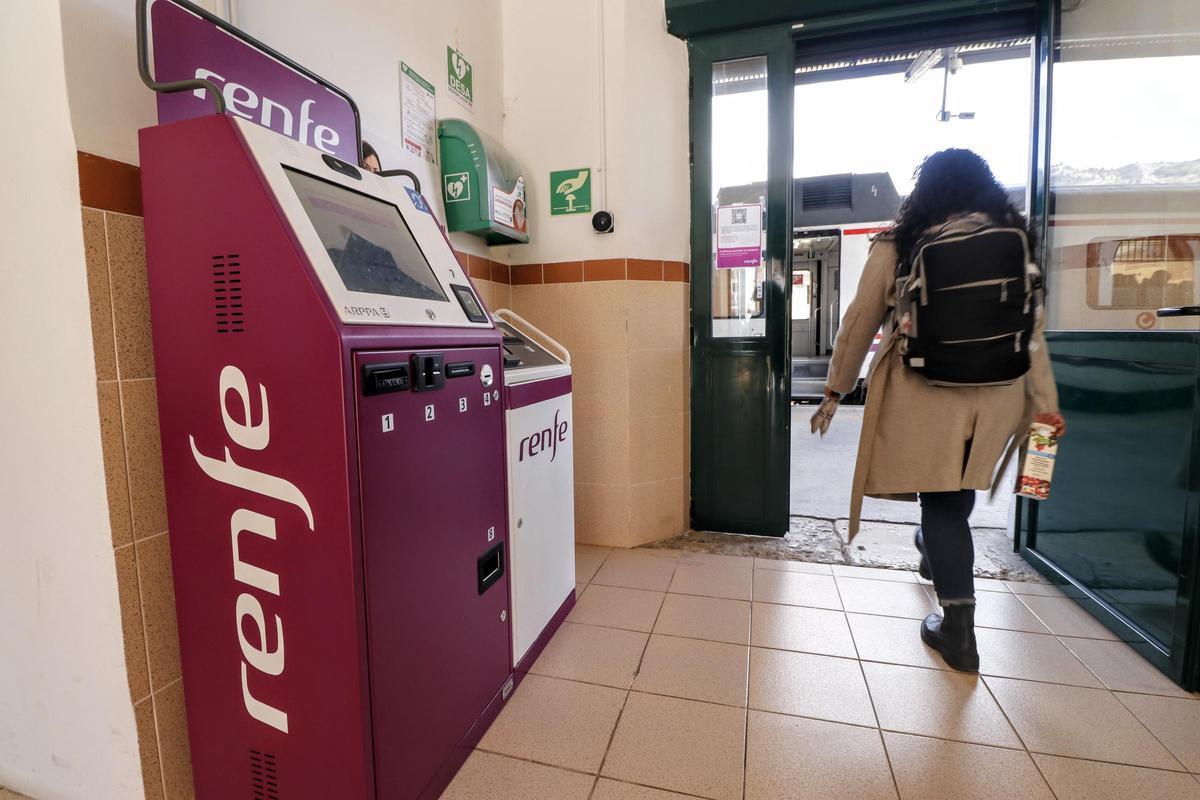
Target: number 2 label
(429, 413)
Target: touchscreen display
(368, 241)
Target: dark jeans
(948, 544)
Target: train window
(1149, 272)
(1124, 182)
(740, 133)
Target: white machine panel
(541, 511)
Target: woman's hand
(1055, 421)
(825, 411)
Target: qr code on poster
(739, 216)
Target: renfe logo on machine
(546, 439)
(265, 661)
(256, 86)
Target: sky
(1107, 114)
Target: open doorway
(863, 122)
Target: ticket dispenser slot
(490, 567)
(429, 372)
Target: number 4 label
(487, 398)
(429, 413)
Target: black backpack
(965, 305)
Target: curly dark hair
(950, 182)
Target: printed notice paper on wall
(739, 236)
(417, 113)
(459, 78)
(570, 192)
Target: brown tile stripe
(604, 269)
(109, 185)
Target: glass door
(1122, 258)
(741, 278)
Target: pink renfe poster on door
(739, 235)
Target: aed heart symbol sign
(459, 78)
(457, 187)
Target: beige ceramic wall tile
(158, 610)
(600, 383)
(602, 514)
(657, 383)
(487, 776)
(95, 248)
(174, 750)
(147, 732)
(131, 298)
(132, 630)
(654, 512)
(541, 304)
(116, 478)
(655, 447)
(601, 450)
(593, 315)
(656, 315)
(143, 451)
(485, 293)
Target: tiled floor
(684, 675)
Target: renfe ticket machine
(330, 399)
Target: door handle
(1179, 311)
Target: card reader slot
(460, 369)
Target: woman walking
(937, 425)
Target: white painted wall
(355, 44)
(553, 120)
(66, 722)
(538, 83)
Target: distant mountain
(1140, 173)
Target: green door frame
(741, 395)
(741, 420)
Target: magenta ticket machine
(333, 439)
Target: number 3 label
(462, 404)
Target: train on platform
(1116, 258)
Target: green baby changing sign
(570, 192)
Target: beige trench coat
(915, 434)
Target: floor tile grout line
(612, 735)
(1161, 743)
(746, 717)
(870, 695)
(858, 658)
(1168, 750)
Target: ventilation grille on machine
(264, 778)
(227, 293)
(831, 192)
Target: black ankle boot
(953, 635)
(923, 569)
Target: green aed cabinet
(483, 187)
